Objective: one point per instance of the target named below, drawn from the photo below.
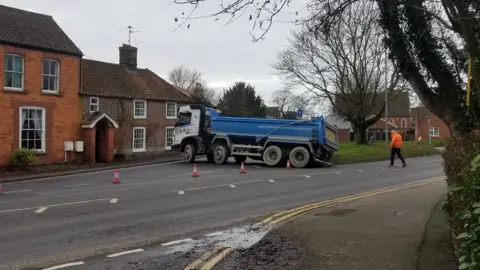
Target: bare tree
(193, 82)
(347, 68)
(287, 102)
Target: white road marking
(337, 172)
(213, 234)
(180, 192)
(232, 186)
(51, 205)
(177, 242)
(41, 210)
(64, 265)
(307, 176)
(124, 253)
(76, 185)
(114, 200)
(258, 167)
(271, 180)
(360, 170)
(18, 191)
(223, 185)
(319, 173)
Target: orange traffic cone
(288, 164)
(116, 178)
(1, 189)
(242, 168)
(195, 172)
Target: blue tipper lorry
(200, 130)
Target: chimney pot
(128, 56)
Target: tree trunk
(361, 135)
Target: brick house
(40, 81)
(398, 118)
(438, 129)
(141, 104)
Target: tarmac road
(161, 214)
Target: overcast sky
(224, 54)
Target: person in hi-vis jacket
(396, 148)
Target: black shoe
(404, 165)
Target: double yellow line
(215, 256)
(219, 253)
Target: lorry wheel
(189, 153)
(220, 154)
(210, 158)
(299, 157)
(240, 159)
(272, 155)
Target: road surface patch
(124, 253)
(176, 242)
(214, 234)
(319, 173)
(64, 265)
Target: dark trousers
(397, 151)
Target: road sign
(299, 113)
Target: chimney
(128, 56)
(197, 90)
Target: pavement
(405, 229)
(160, 217)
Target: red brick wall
(421, 128)
(121, 110)
(343, 135)
(63, 111)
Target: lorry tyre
(189, 153)
(299, 157)
(240, 159)
(220, 154)
(210, 157)
(272, 156)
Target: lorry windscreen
(184, 119)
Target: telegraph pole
(386, 97)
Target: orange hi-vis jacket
(396, 140)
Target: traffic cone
(288, 164)
(1, 189)
(242, 168)
(195, 172)
(116, 178)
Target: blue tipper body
(253, 130)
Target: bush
(462, 168)
(23, 157)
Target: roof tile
(114, 80)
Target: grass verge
(352, 153)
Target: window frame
(144, 149)
(433, 129)
(166, 137)
(44, 127)
(50, 75)
(175, 110)
(134, 109)
(11, 71)
(403, 123)
(90, 104)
